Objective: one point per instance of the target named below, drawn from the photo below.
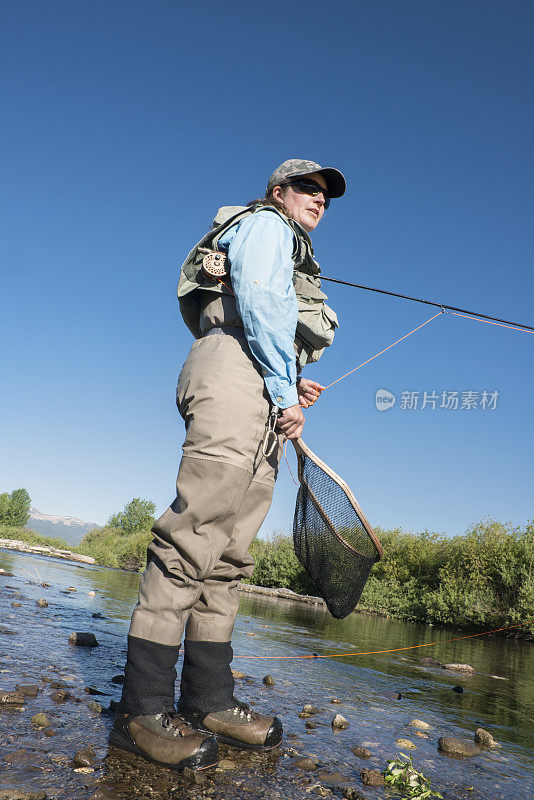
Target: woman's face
(303, 208)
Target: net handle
(302, 449)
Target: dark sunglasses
(307, 186)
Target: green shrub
(31, 537)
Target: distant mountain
(71, 529)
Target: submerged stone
(61, 696)
(41, 720)
(406, 744)
(83, 639)
(11, 698)
(304, 762)
(459, 667)
(28, 689)
(340, 723)
(86, 757)
(370, 777)
(457, 747)
(421, 724)
(484, 738)
(361, 752)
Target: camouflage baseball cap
(335, 180)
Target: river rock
(332, 778)
(16, 605)
(41, 720)
(392, 695)
(457, 747)
(352, 794)
(82, 639)
(340, 723)
(194, 776)
(71, 589)
(41, 603)
(11, 698)
(467, 668)
(98, 615)
(86, 757)
(304, 762)
(421, 724)
(23, 758)
(370, 777)
(28, 689)
(310, 725)
(458, 689)
(427, 661)
(91, 690)
(361, 752)
(309, 709)
(95, 707)
(21, 794)
(484, 738)
(61, 696)
(335, 701)
(236, 674)
(225, 765)
(57, 684)
(120, 679)
(269, 680)
(406, 744)
(91, 594)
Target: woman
(255, 327)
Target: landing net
(332, 537)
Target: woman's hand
(308, 391)
(291, 422)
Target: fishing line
(394, 650)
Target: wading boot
(238, 726)
(164, 739)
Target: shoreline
(44, 550)
(514, 634)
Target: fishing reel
(214, 264)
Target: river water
(499, 696)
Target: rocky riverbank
(43, 550)
(341, 724)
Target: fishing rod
(428, 302)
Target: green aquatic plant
(404, 777)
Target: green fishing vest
(316, 321)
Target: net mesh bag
(333, 539)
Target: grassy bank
(483, 578)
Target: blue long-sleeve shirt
(259, 250)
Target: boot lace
(242, 710)
(174, 723)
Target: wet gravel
(53, 740)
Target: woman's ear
(278, 194)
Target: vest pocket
(316, 324)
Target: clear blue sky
(126, 124)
